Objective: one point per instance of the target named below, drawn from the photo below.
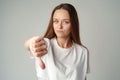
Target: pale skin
(62, 29)
(38, 45)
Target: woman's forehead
(61, 13)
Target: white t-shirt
(63, 63)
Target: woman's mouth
(59, 30)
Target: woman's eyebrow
(62, 19)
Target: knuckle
(45, 46)
(35, 40)
(46, 51)
(35, 45)
(35, 50)
(38, 54)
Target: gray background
(99, 26)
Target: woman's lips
(59, 30)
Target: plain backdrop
(99, 30)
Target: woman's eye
(66, 22)
(55, 21)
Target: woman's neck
(64, 42)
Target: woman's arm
(27, 44)
(36, 45)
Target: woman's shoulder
(81, 48)
(50, 43)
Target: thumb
(40, 62)
(38, 59)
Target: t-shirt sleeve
(88, 61)
(87, 65)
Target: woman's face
(61, 23)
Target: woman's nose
(60, 25)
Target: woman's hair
(74, 24)
(74, 35)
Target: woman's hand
(38, 48)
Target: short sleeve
(88, 61)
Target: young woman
(66, 58)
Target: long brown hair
(74, 23)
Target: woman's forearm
(27, 43)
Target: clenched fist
(38, 48)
